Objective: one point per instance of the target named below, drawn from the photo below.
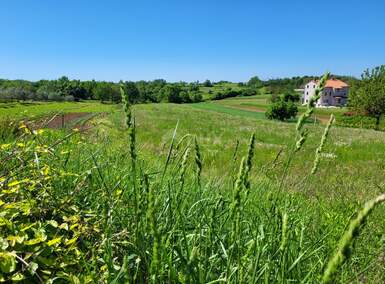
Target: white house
(335, 93)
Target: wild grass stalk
(320, 147)
(198, 161)
(249, 163)
(151, 219)
(301, 132)
(345, 246)
(183, 167)
(284, 229)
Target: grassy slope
(358, 152)
(261, 102)
(322, 204)
(352, 166)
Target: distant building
(335, 93)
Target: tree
(196, 97)
(368, 95)
(193, 87)
(291, 97)
(102, 91)
(254, 82)
(132, 92)
(171, 94)
(184, 96)
(207, 83)
(281, 110)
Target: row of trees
(64, 89)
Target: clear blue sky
(189, 40)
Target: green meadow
(33, 110)
(209, 192)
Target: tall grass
(77, 209)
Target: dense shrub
(226, 94)
(207, 83)
(248, 92)
(69, 98)
(196, 97)
(281, 110)
(359, 121)
(291, 96)
(274, 98)
(185, 98)
(8, 129)
(55, 97)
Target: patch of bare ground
(79, 120)
(244, 107)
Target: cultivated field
(171, 202)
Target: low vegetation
(282, 110)
(183, 194)
(368, 95)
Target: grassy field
(33, 110)
(173, 207)
(260, 104)
(208, 92)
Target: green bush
(8, 129)
(291, 96)
(359, 121)
(281, 110)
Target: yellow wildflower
(5, 146)
(38, 132)
(24, 127)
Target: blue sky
(189, 40)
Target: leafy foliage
(368, 95)
(41, 235)
(281, 110)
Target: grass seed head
(344, 249)
(320, 147)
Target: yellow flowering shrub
(41, 238)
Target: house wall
(308, 91)
(334, 97)
(329, 97)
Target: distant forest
(64, 89)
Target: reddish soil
(245, 107)
(251, 108)
(63, 120)
(322, 118)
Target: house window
(313, 86)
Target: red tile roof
(334, 83)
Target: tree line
(64, 89)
